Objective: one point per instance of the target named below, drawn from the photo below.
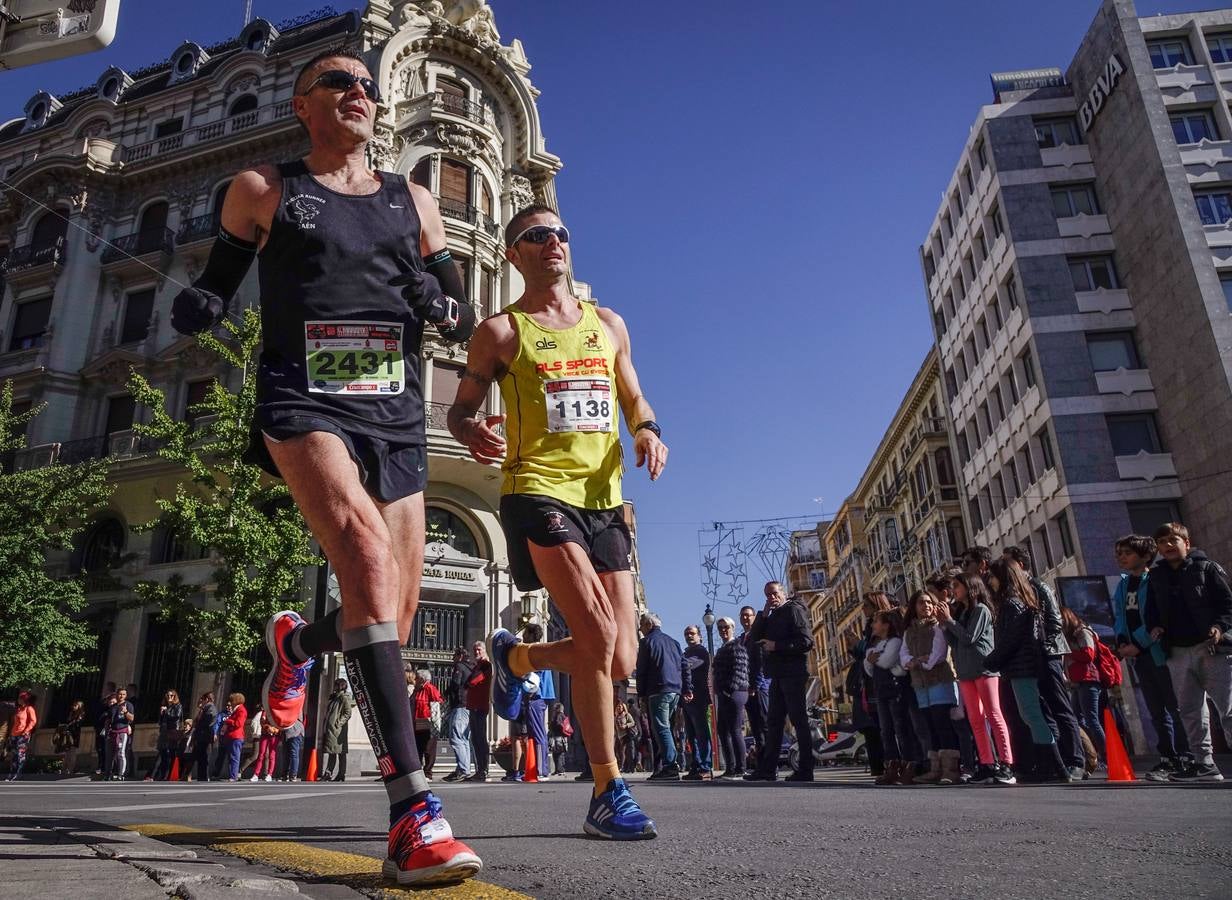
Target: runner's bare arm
(455, 316)
(487, 361)
(431, 226)
(649, 449)
(251, 201)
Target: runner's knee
(624, 660)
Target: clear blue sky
(747, 184)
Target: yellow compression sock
(604, 774)
(519, 660)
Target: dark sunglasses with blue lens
(342, 80)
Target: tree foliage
(40, 510)
(255, 533)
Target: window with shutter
(455, 181)
(445, 378)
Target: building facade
(1078, 275)
(836, 627)
(808, 578)
(113, 200)
(913, 519)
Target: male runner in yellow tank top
(564, 368)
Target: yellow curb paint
(360, 872)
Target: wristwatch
(650, 425)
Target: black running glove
(424, 296)
(194, 310)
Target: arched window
(48, 231)
(170, 548)
(422, 173)
(246, 103)
(154, 219)
(219, 196)
(447, 528)
(103, 544)
(945, 467)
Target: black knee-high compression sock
(374, 667)
(322, 636)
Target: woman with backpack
(1082, 668)
(558, 741)
(1018, 654)
(203, 734)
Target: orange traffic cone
(532, 762)
(311, 775)
(175, 769)
(1119, 767)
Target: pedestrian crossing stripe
(360, 872)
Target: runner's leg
(560, 656)
(567, 574)
(405, 520)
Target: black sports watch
(650, 425)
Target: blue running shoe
(506, 687)
(615, 815)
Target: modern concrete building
(1078, 273)
(115, 198)
(913, 518)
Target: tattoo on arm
(471, 375)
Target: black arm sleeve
(441, 266)
(205, 304)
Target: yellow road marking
(360, 872)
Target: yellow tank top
(561, 428)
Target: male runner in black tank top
(345, 296)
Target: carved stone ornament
(457, 139)
(520, 191)
(242, 84)
(384, 149)
(115, 372)
(196, 357)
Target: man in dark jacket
(782, 629)
(695, 682)
(758, 704)
(659, 683)
(1189, 608)
(458, 718)
(1053, 686)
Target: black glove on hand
(424, 296)
(194, 310)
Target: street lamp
(708, 621)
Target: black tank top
(338, 341)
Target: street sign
(34, 31)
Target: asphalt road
(842, 837)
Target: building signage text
(1025, 80)
(1104, 84)
(449, 574)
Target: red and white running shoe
(423, 850)
(286, 686)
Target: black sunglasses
(539, 234)
(342, 80)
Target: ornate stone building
(837, 621)
(111, 202)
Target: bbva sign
(1104, 84)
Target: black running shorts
(549, 523)
(388, 471)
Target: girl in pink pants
(267, 752)
(968, 630)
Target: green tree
(228, 505)
(40, 510)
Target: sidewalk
(60, 856)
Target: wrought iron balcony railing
(461, 106)
(30, 255)
(138, 243)
(198, 229)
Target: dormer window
(186, 60)
(112, 83)
(38, 109)
(258, 35)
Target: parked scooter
(833, 745)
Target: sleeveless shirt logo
(555, 522)
(591, 340)
(303, 208)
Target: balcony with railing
(151, 241)
(211, 131)
(200, 228)
(117, 445)
(32, 257)
(471, 215)
(460, 106)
